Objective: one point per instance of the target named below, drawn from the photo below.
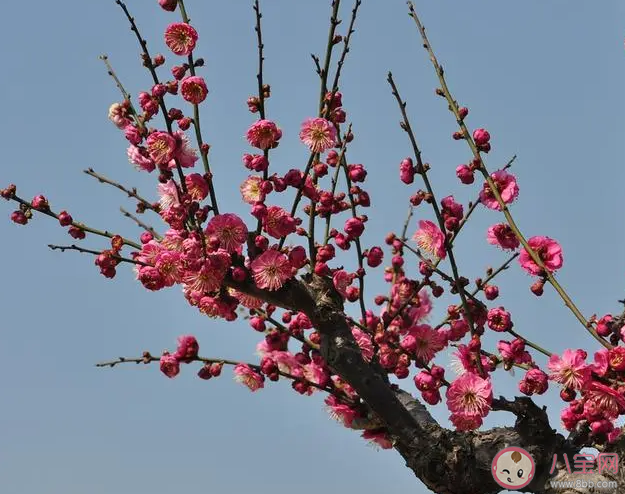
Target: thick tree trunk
(447, 462)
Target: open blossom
(514, 352)
(169, 265)
(271, 270)
(193, 89)
(499, 319)
(278, 223)
(549, 252)
(161, 147)
(570, 370)
(424, 342)
(251, 190)
(180, 37)
(118, 114)
(264, 134)
(209, 275)
(502, 235)
(342, 280)
(340, 411)
(506, 186)
(244, 374)
(229, 229)
(169, 194)
(318, 134)
(606, 400)
(196, 186)
(139, 157)
(364, 342)
(469, 397)
(464, 422)
(430, 239)
(184, 153)
(378, 438)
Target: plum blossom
(506, 186)
(139, 157)
(193, 89)
(229, 230)
(502, 235)
(251, 190)
(364, 342)
(161, 147)
(430, 239)
(570, 370)
(469, 399)
(549, 252)
(271, 270)
(180, 38)
(169, 194)
(264, 134)
(318, 134)
(169, 365)
(244, 374)
(278, 223)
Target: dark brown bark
(446, 461)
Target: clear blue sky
(546, 79)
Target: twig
(422, 170)
(63, 248)
(82, 226)
(197, 127)
(148, 358)
(131, 192)
(453, 106)
(143, 225)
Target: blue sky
(545, 78)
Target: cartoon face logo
(513, 468)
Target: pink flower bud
(169, 365)
(297, 257)
(159, 60)
(431, 397)
(187, 350)
(402, 372)
(465, 174)
(76, 233)
(354, 227)
(41, 203)
(65, 218)
(258, 324)
(168, 5)
(357, 173)
(375, 257)
(239, 274)
(491, 292)
(481, 137)
(159, 90)
(184, 123)
(463, 112)
(406, 171)
(19, 217)
(178, 72)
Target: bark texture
(446, 461)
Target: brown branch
(82, 226)
(63, 248)
(454, 108)
(130, 192)
(143, 225)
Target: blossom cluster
(226, 266)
